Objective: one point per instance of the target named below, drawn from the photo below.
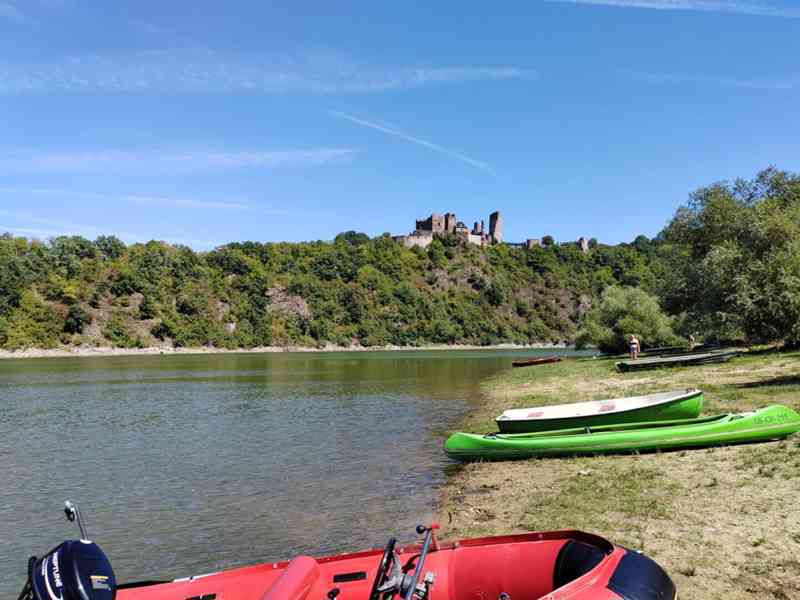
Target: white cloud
(205, 71)
(158, 201)
(161, 161)
(393, 131)
(765, 8)
(165, 202)
(786, 83)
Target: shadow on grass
(771, 351)
(783, 380)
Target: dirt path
(724, 522)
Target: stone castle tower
(496, 227)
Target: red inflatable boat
(556, 565)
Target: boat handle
(428, 531)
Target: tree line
(353, 290)
(727, 267)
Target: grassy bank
(724, 522)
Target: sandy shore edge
(100, 351)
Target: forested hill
(726, 268)
(354, 290)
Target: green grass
(601, 495)
(782, 461)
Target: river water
(188, 464)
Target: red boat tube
(548, 566)
(553, 565)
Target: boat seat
(296, 581)
(574, 560)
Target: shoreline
(722, 521)
(103, 351)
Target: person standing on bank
(633, 346)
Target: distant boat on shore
(532, 362)
(680, 360)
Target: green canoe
(769, 423)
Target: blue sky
(207, 122)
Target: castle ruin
(436, 224)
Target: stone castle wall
(421, 239)
(435, 224)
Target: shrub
(77, 319)
(33, 324)
(436, 253)
(624, 311)
(148, 309)
(119, 335)
(495, 294)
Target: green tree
(436, 253)
(77, 319)
(33, 324)
(734, 263)
(148, 309)
(495, 293)
(352, 238)
(110, 247)
(15, 273)
(624, 311)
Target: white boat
(662, 406)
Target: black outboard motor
(74, 570)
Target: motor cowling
(74, 570)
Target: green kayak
(769, 423)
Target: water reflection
(185, 464)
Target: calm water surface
(188, 464)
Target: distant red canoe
(532, 362)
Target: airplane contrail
(413, 139)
